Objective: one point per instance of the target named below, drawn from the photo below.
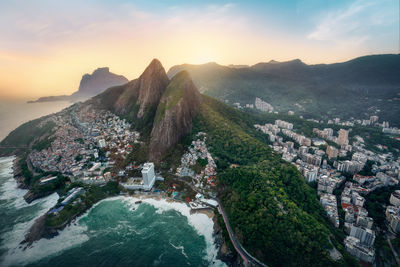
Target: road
(248, 260)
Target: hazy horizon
(46, 47)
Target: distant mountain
(90, 85)
(357, 88)
(95, 83)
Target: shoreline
(39, 230)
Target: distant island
(90, 85)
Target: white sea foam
(7, 159)
(199, 221)
(71, 236)
(181, 248)
(15, 253)
(76, 234)
(9, 189)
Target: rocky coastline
(19, 177)
(225, 254)
(40, 230)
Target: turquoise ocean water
(115, 232)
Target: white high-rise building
(102, 143)
(148, 175)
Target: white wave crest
(199, 221)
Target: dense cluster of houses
(326, 169)
(198, 150)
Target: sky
(46, 46)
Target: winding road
(248, 260)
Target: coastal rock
(38, 231)
(178, 106)
(31, 196)
(224, 253)
(18, 174)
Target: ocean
(15, 112)
(114, 232)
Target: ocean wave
(7, 159)
(77, 233)
(181, 248)
(16, 254)
(9, 190)
(6, 164)
(199, 221)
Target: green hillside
(273, 212)
(358, 88)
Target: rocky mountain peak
(152, 84)
(178, 106)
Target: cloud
(355, 25)
(41, 25)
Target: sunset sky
(46, 46)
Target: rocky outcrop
(144, 92)
(38, 231)
(175, 112)
(159, 108)
(152, 84)
(31, 195)
(224, 253)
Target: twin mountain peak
(155, 105)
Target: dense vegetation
(341, 90)
(43, 144)
(273, 212)
(20, 138)
(92, 195)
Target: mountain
(97, 82)
(144, 93)
(90, 85)
(161, 109)
(179, 104)
(273, 213)
(138, 99)
(358, 88)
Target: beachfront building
(148, 175)
(144, 183)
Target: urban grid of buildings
(324, 167)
